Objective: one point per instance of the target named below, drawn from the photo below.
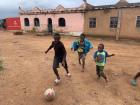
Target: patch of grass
(18, 33)
(1, 65)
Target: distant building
(119, 20)
(65, 20)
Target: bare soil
(28, 73)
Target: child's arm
(65, 53)
(74, 45)
(90, 44)
(64, 56)
(95, 56)
(109, 55)
(51, 46)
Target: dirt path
(28, 73)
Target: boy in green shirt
(100, 58)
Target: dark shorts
(99, 69)
(82, 55)
(56, 62)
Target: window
(92, 22)
(26, 22)
(61, 22)
(36, 22)
(138, 21)
(113, 22)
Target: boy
(100, 59)
(60, 56)
(82, 46)
(134, 80)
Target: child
(82, 46)
(134, 80)
(60, 56)
(100, 59)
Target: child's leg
(98, 71)
(137, 76)
(56, 73)
(79, 58)
(104, 76)
(134, 80)
(65, 66)
(83, 61)
(55, 66)
(102, 73)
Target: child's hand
(46, 52)
(112, 54)
(96, 59)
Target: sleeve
(106, 54)
(72, 45)
(95, 55)
(51, 46)
(89, 43)
(75, 45)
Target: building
(119, 20)
(64, 20)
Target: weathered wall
(127, 26)
(74, 22)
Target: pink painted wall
(74, 22)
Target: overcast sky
(9, 8)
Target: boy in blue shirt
(100, 58)
(82, 46)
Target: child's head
(56, 37)
(100, 47)
(82, 37)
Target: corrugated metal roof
(83, 8)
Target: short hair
(102, 45)
(82, 35)
(56, 34)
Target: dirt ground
(28, 73)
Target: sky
(9, 8)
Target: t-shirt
(81, 47)
(59, 49)
(87, 45)
(101, 57)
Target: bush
(18, 33)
